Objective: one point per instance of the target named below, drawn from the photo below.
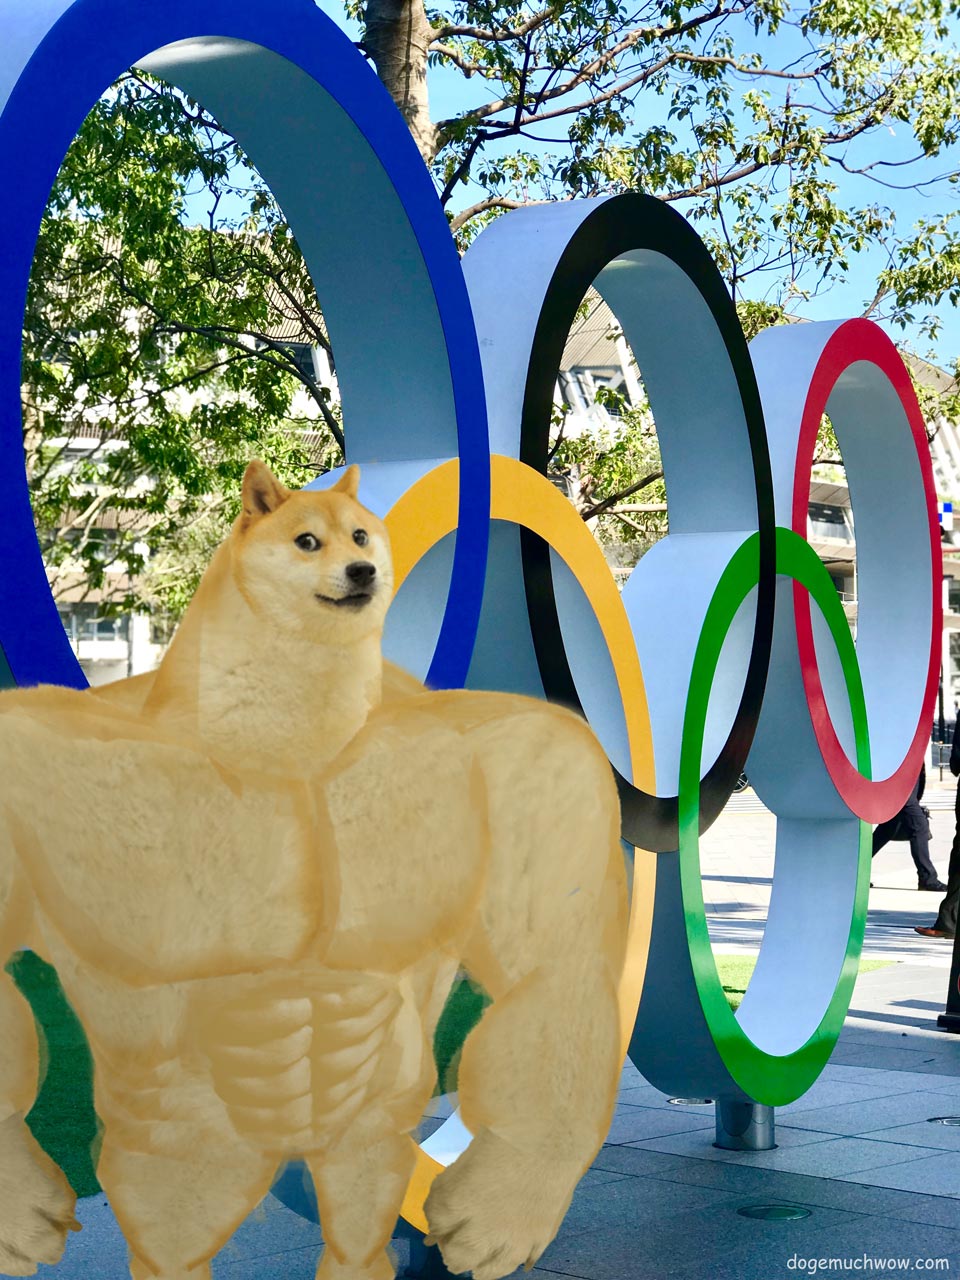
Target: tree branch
(494, 35)
(776, 157)
(492, 202)
(600, 507)
(463, 168)
(627, 521)
(468, 68)
(588, 72)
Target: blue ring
(71, 61)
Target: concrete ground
(881, 1183)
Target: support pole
(949, 1020)
(744, 1126)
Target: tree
(744, 111)
(768, 125)
(160, 349)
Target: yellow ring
(427, 512)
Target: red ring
(861, 340)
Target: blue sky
(450, 93)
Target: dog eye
(307, 542)
(360, 537)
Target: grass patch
(735, 972)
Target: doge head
(313, 563)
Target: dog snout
(361, 573)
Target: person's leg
(946, 921)
(920, 852)
(914, 823)
(882, 835)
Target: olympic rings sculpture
(728, 646)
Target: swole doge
(257, 871)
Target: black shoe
(935, 886)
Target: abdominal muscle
(296, 1057)
(284, 1061)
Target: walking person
(945, 925)
(911, 824)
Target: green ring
(766, 1078)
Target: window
(302, 353)
(829, 522)
(86, 621)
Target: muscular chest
(155, 863)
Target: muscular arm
(539, 1074)
(18, 1037)
(36, 1202)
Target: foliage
(749, 112)
(616, 477)
(151, 370)
(784, 131)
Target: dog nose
(361, 572)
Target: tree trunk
(397, 37)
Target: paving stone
(632, 1123)
(803, 1189)
(598, 1177)
(836, 1156)
(637, 1162)
(878, 1239)
(943, 1137)
(270, 1228)
(699, 1144)
(937, 1175)
(865, 1240)
(654, 1100)
(875, 1113)
(881, 1202)
(293, 1264)
(639, 1251)
(829, 1093)
(98, 1252)
(886, 1058)
(902, 1081)
(632, 1201)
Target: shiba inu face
(316, 564)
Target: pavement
(880, 1183)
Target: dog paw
(496, 1209)
(36, 1203)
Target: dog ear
(262, 491)
(349, 482)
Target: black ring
(618, 226)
